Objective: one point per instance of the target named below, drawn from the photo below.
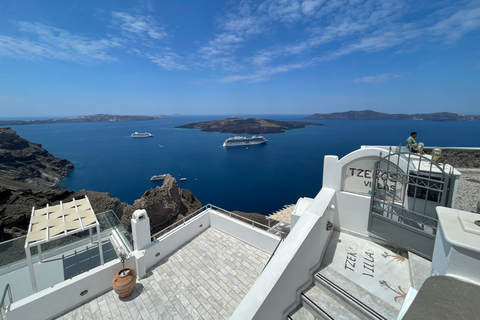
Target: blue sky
(66, 58)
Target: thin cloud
(45, 42)
(264, 73)
(377, 78)
(167, 60)
(139, 26)
(331, 30)
(458, 24)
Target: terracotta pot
(124, 282)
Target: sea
(259, 179)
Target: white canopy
(58, 221)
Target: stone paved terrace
(205, 279)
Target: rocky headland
(23, 162)
(89, 118)
(373, 115)
(29, 177)
(248, 125)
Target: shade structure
(54, 222)
(283, 215)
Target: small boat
(141, 135)
(183, 179)
(158, 177)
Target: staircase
(360, 293)
(335, 297)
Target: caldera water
(259, 178)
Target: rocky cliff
(89, 118)
(459, 158)
(16, 206)
(22, 161)
(373, 115)
(164, 204)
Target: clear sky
(147, 57)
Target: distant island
(247, 125)
(90, 118)
(373, 115)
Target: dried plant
(123, 254)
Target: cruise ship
(158, 177)
(380, 240)
(141, 135)
(244, 141)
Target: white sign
(358, 178)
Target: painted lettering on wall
(358, 178)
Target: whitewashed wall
(277, 290)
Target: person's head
(413, 134)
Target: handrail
(2, 303)
(275, 250)
(178, 222)
(241, 217)
(211, 206)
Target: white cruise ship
(380, 240)
(244, 141)
(141, 135)
(158, 177)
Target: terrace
(202, 266)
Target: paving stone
(205, 279)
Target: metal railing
(205, 208)
(12, 252)
(4, 307)
(239, 217)
(275, 250)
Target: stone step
(323, 306)
(302, 314)
(420, 269)
(352, 297)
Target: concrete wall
(353, 209)
(244, 231)
(277, 290)
(167, 244)
(56, 300)
(457, 250)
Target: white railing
(2, 303)
(184, 220)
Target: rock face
(373, 115)
(27, 162)
(163, 204)
(460, 158)
(89, 118)
(247, 125)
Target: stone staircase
(354, 295)
(335, 297)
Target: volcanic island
(248, 125)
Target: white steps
(336, 297)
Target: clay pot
(124, 282)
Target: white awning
(59, 221)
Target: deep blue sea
(258, 179)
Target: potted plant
(125, 279)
